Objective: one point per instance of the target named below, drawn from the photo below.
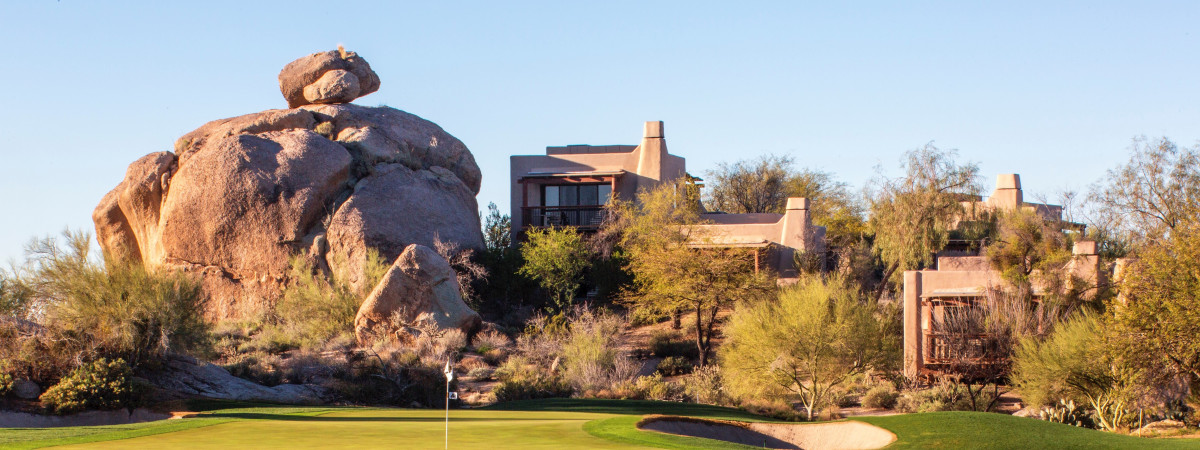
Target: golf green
(376, 428)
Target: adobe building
(776, 238)
(964, 281)
(1008, 196)
(570, 186)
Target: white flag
(449, 371)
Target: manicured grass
(555, 423)
(971, 430)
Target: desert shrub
(481, 373)
(589, 351)
(101, 384)
(704, 386)
(841, 398)
(453, 340)
(495, 356)
(526, 389)
(123, 310)
(882, 396)
(471, 363)
(316, 307)
(39, 354)
(773, 407)
(654, 387)
(669, 343)
(942, 396)
(523, 378)
(257, 366)
(674, 365)
(270, 340)
(491, 340)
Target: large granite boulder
(241, 196)
(419, 288)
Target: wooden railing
(588, 217)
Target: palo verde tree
(1155, 192)
(556, 258)
(911, 215)
(1157, 318)
(816, 336)
(674, 267)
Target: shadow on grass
(630, 407)
(323, 418)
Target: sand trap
(818, 436)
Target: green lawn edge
(977, 430)
(212, 413)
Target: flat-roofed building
(570, 186)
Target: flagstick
(449, 372)
(447, 413)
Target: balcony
(582, 217)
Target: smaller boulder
(309, 78)
(421, 288)
(336, 86)
(26, 390)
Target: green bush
(675, 365)
(882, 396)
(101, 384)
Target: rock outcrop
(420, 288)
(239, 197)
(181, 375)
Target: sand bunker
(817, 436)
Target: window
(576, 195)
(574, 204)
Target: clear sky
(1053, 91)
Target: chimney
(651, 153)
(1008, 193)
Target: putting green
(385, 429)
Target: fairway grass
(557, 423)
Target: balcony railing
(588, 217)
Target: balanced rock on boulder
(336, 76)
(239, 197)
(419, 289)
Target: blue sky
(1052, 91)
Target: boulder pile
(324, 180)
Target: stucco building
(963, 281)
(570, 185)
